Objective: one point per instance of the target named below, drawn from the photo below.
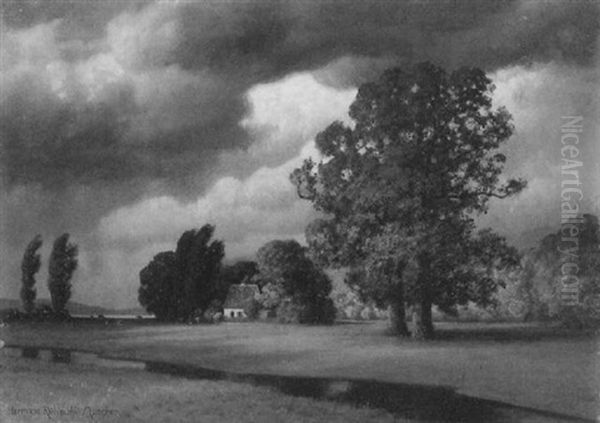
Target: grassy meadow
(121, 395)
(541, 367)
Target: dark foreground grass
(541, 367)
(33, 391)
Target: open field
(540, 367)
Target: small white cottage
(238, 297)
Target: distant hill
(73, 307)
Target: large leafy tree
(175, 285)
(289, 274)
(198, 262)
(401, 186)
(29, 267)
(62, 265)
(157, 292)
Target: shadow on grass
(503, 333)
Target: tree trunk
(397, 318)
(396, 309)
(427, 319)
(422, 322)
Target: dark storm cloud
(50, 141)
(83, 18)
(270, 39)
(106, 103)
(215, 51)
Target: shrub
(318, 311)
(288, 311)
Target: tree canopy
(157, 292)
(176, 285)
(400, 188)
(30, 265)
(291, 276)
(61, 266)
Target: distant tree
(400, 189)
(198, 262)
(243, 271)
(542, 274)
(29, 267)
(181, 284)
(293, 278)
(62, 264)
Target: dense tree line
(183, 284)
(538, 286)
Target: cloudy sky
(126, 123)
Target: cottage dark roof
(239, 295)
